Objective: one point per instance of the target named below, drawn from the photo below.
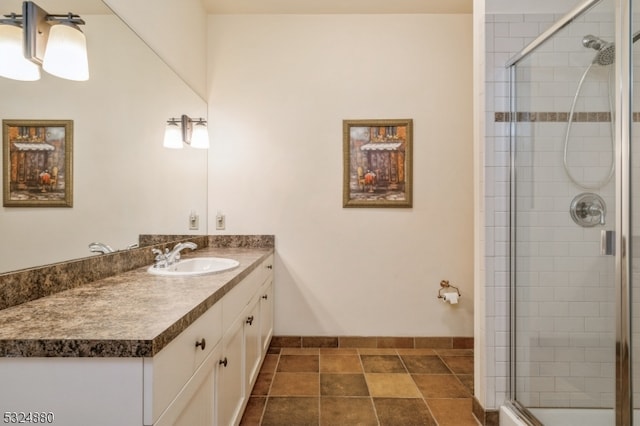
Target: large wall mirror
(124, 182)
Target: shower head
(606, 51)
(606, 54)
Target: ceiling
(337, 6)
(81, 7)
(270, 6)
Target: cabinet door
(199, 410)
(194, 405)
(230, 383)
(253, 352)
(266, 315)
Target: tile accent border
(385, 342)
(558, 117)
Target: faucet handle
(161, 258)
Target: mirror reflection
(124, 182)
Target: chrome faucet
(174, 255)
(169, 257)
(100, 248)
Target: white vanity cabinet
(203, 377)
(242, 353)
(218, 391)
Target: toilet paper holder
(444, 285)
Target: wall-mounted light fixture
(38, 38)
(193, 132)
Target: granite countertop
(133, 314)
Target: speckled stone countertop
(133, 314)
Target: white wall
(175, 30)
(279, 88)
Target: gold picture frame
(378, 160)
(37, 163)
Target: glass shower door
(563, 208)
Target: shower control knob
(588, 210)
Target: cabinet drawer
(171, 368)
(267, 269)
(239, 297)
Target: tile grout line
(375, 410)
(433, 416)
(266, 401)
(420, 391)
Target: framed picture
(377, 163)
(37, 163)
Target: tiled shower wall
(565, 288)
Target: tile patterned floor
(399, 387)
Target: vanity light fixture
(13, 64)
(55, 42)
(193, 132)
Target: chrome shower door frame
(624, 87)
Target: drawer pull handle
(269, 266)
(202, 343)
(265, 297)
(250, 320)
(223, 361)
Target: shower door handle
(607, 243)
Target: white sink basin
(195, 266)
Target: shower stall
(574, 223)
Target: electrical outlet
(194, 221)
(220, 222)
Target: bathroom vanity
(140, 349)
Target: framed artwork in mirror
(37, 163)
(377, 157)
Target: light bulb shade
(200, 136)
(66, 54)
(172, 136)
(13, 64)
